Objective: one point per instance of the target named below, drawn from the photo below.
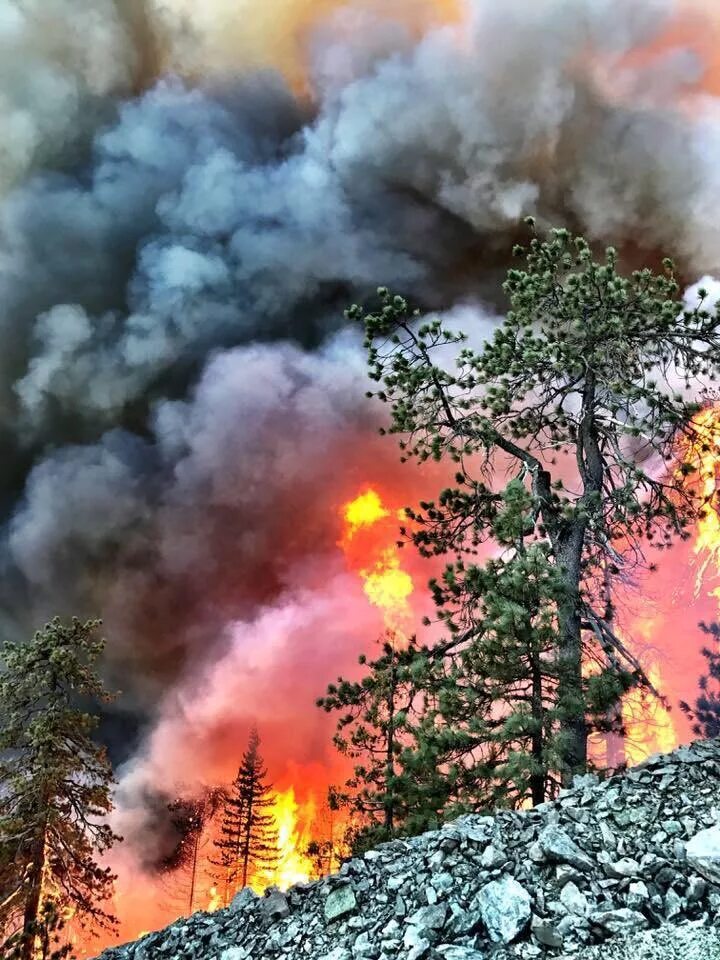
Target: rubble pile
(631, 862)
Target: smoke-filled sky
(190, 194)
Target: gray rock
(559, 847)
(620, 921)
(429, 918)
(574, 900)
(546, 933)
(450, 952)
(340, 902)
(275, 904)
(665, 943)
(492, 857)
(621, 869)
(505, 909)
(703, 853)
(243, 899)
(419, 950)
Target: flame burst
(369, 545)
(293, 866)
(649, 727)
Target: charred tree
(186, 865)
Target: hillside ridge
(631, 862)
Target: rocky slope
(634, 860)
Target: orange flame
(370, 548)
(705, 457)
(215, 901)
(649, 727)
(294, 866)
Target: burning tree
(248, 842)
(327, 848)
(497, 723)
(189, 817)
(580, 396)
(55, 786)
(705, 712)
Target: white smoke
(60, 63)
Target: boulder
(703, 852)
(559, 847)
(340, 902)
(505, 909)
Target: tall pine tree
(55, 789)
(576, 396)
(248, 843)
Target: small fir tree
(327, 847)
(55, 790)
(247, 847)
(705, 712)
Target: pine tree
(705, 712)
(498, 723)
(575, 396)
(55, 790)
(248, 843)
(377, 730)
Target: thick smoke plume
(189, 196)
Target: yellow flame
(215, 901)
(387, 586)
(364, 511)
(649, 727)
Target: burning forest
(247, 250)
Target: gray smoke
(184, 412)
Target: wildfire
(370, 548)
(705, 457)
(648, 723)
(294, 866)
(649, 726)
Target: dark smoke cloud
(183, 410)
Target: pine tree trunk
(390, 757)
(31, 914)
(537, 778)
(570, 684)
(247, 843)
(194, 871)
